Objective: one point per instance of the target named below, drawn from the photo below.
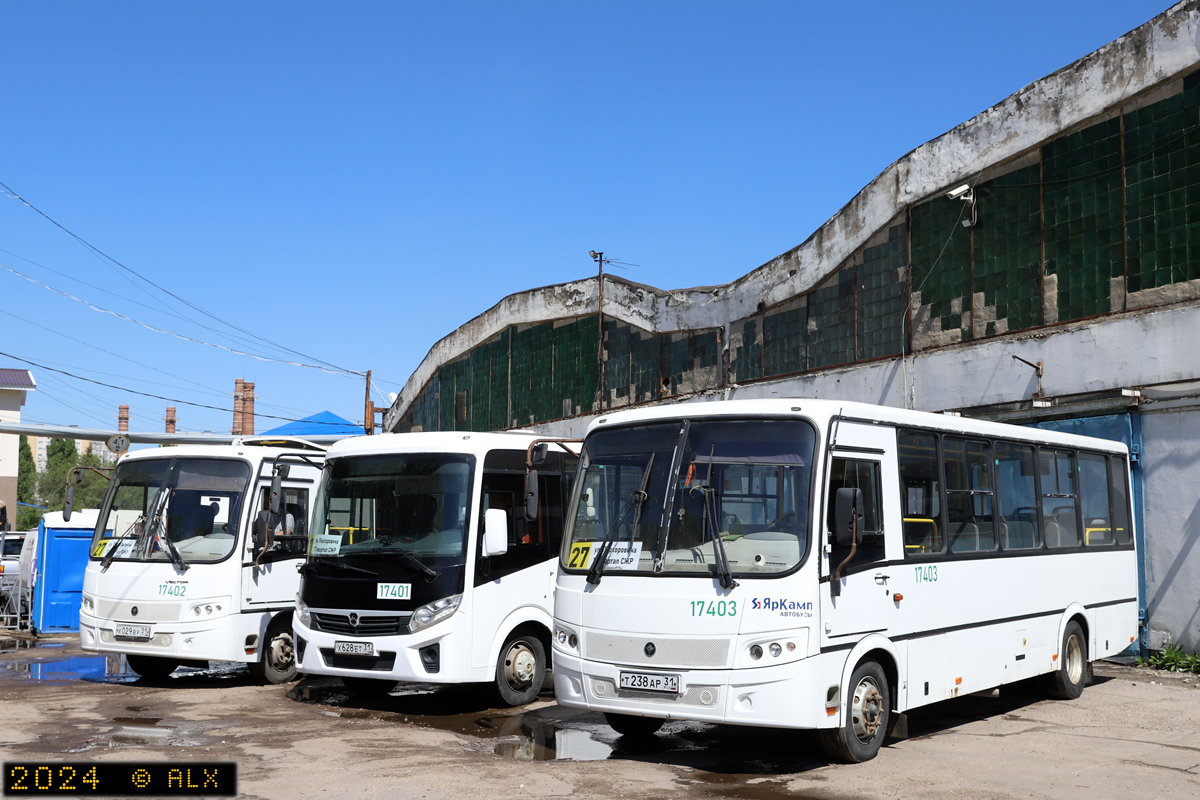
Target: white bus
(187, 563)
(427, 564)
(813, 564)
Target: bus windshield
(399, 504)
(164, 509)
(685, 497)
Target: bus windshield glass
(171, 509)
(398, 504)
(685, 497)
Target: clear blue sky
(355, 180)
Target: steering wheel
(787, 518)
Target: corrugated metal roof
(17, 378)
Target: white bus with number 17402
(813, 564)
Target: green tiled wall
(785, 340)
(1162, 190)
(1008, 249)
(941, 259)
(1117, 200)
(831, 323)
(746, 362)
(882, 297)
(1082, 199)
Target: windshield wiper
(636, 500)
(724, 572)
(309, 566)
(164, 538)
(413, 561)
(106, 562)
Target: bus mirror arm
(531, 494)
(845, 530)
(261, 533)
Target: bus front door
(859, 597)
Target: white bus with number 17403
(812, 564)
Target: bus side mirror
(531, 495)
(260, 531)
(74, 478)
(847, 506)
(495, 532)
(541, 451)
(275, 504)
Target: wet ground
(314, 738)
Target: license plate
(649, 682)
(133, 632)
(354, 648)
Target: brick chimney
(123, 418)
(238, 391)
(170, 419)
(247, 409)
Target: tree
(26, 473)
(27, 477)
(61, 458)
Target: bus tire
(151, 667)
(368, 687)
(635, 727)
(521, 669)
(1067, 682)
(865, 717)
(277, 662)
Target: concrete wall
(10, 411)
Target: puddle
(7, 644)
(552, 732)
(108, 669)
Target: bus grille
(702, 696)
(382, 662)
(620, 649)
(367, 626)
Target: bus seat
(965, 539)
(1017, 535)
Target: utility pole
(599, 257)
(369, 409)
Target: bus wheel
(151, 667)
(368, 687)
(636, 727)
(278, 661)
(521, 669)
(1066, 683)
(865, 725)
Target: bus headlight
(565, 639)
(87, 604)
(303, 613)
(209, 608)
(433, 612)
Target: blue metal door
(1125, 428)
(62, 559)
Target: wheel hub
(866, 712)
(1074, 659)
(282, 653)
(519, 665)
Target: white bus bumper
(209, 639)
(784, 696)
(397, 657)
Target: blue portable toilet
(62, 557)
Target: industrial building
(1038, 264)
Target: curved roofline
(1089, 87)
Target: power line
(332, 371)
(164, 290)
(154, 396)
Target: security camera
(958, 192)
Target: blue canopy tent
(325, 423)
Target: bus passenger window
(1117, 477)
(969, 509)
(1018, 522)
(1060, 524)
(1093, 496)
(920, 492)
(848, 473)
